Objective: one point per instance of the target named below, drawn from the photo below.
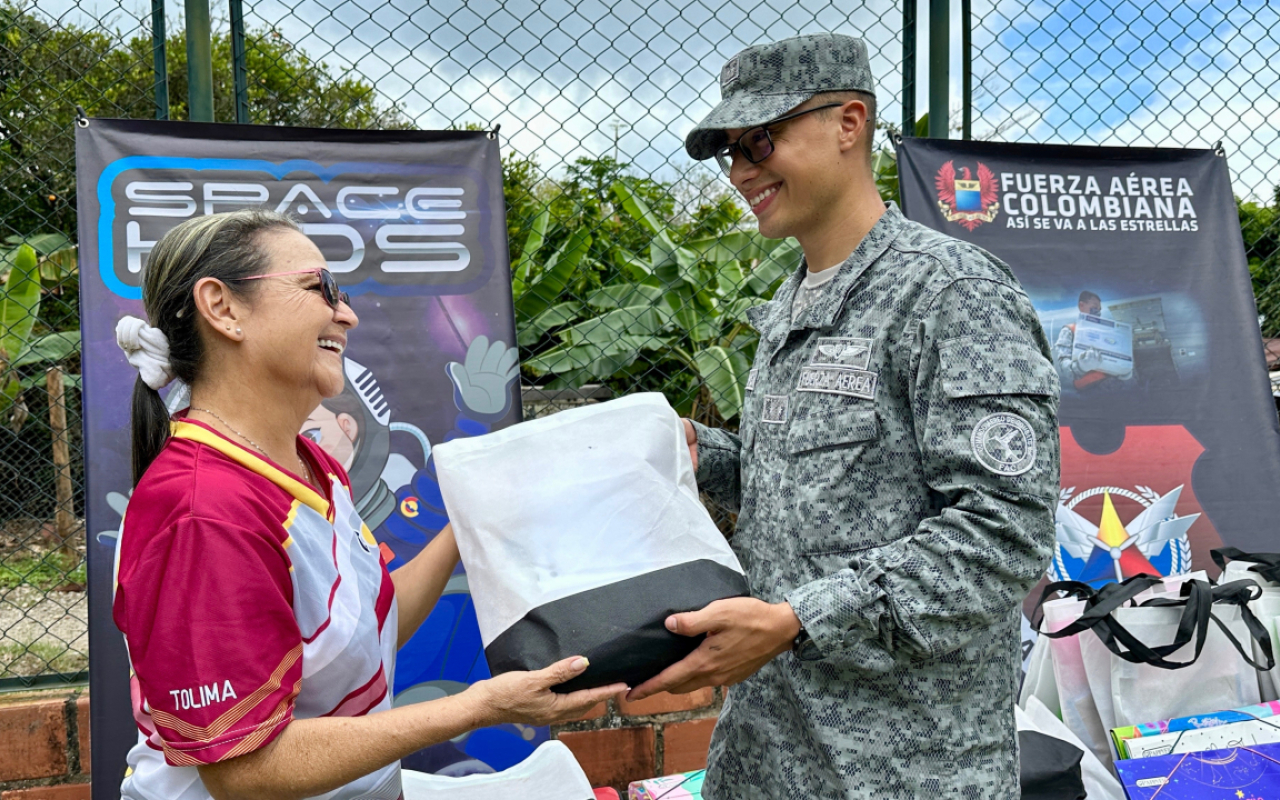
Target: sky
(631, 77)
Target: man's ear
(853, 124)
(218, 307)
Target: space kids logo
(385, 228)
(967, 198)
(1108, 528)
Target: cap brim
(738, 111)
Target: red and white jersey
(247, 600)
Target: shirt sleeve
(207, 611)
(984, 394)
(720, 465)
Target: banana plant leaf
(724, 372)
(20, 302)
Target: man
(1083, 371)
(895, 473)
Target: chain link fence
(632, 265)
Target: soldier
(895, 473)
(1082, 370)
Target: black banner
(1134, 261)
(412, 225)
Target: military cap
(768, 80)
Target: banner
(412, 225)
(1134, 262)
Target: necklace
(306, 469)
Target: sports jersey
(247, 600)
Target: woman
(261, 623)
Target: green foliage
(26, 342)
(670, 320)
(48, 67)
(1260, 225)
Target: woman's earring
(239, 332)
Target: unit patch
(852, 353)
(1004, 443)
(838, 380)
(730, 72)
(774, 409)
(751, 379)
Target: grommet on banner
(82, 119)
(1219, 150)
(493, 134)
(896, 138)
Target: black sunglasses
(756, 144)
(328, 286)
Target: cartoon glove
(483, 381)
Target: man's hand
(691, 439)
(743, 634)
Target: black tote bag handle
(1265, 564)
(1196, 599)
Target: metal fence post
(939, 68)
(159, 63)
(909, 67)
(966, 68)
(199, 62)
(239, 69)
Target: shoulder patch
(1004, 443)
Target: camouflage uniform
(895, 475)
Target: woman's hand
(526, 697)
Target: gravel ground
(40, 630)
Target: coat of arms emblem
(965, 199)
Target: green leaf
(53, 347)
(20, 303)
(624, 294)
(773, 270)
(592, 361)
(636, 208)
(725, 373)
(554, 317)
(59, 265)
(547, 287)
(607, 328)
(736, 246)
(532, 244)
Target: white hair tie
(147, 350)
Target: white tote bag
(1219, 679)
(581, 532)
(1075, 700)
(550, 773)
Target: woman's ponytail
(150, 421)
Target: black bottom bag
(620, 627)
(1049, 768)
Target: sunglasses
(328, 286)
(756, 144)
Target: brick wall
(44, 741)
(622, 742)
(44, 745)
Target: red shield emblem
(967, 198)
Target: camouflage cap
(768, 80)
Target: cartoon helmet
(374, 501)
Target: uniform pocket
(833, 428)
(976, 367)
